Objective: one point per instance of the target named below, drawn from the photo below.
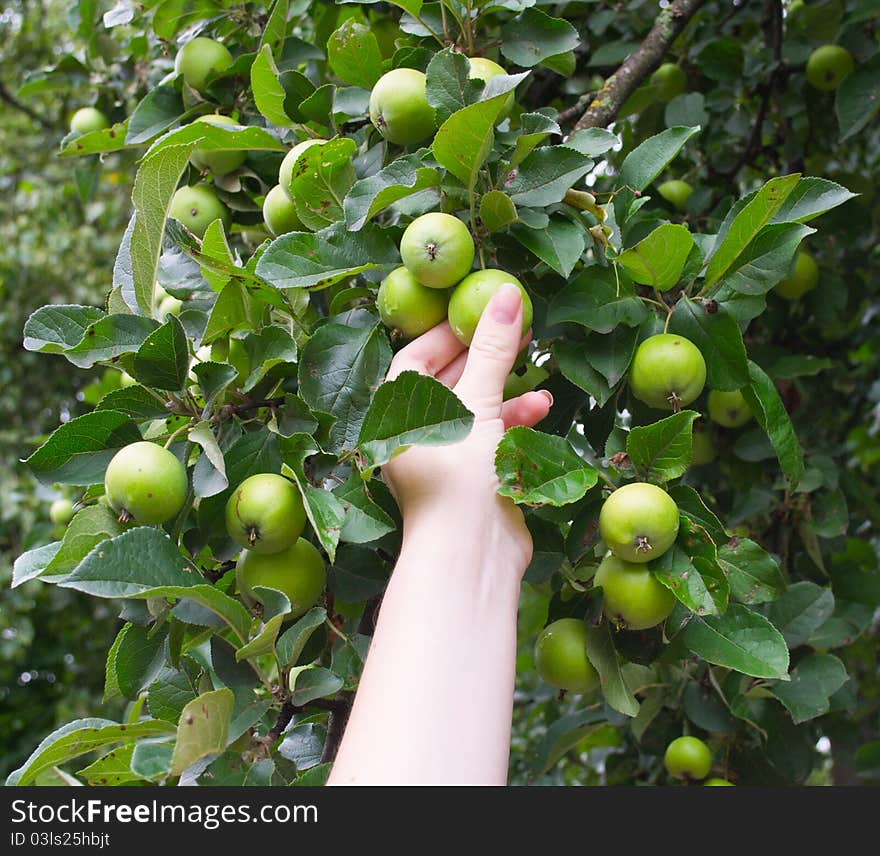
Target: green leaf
(560, 245)
(78, 451)
(80, 737)
(753, 573)
(562, 735)
(365, 521)
(401, 178)
(767, 259)
(808, 693)
(575, 366)
(541, 469)
(134, 401)
(858, 100)
(772, 416)
(545, 175)
(718, 337)
(800, 611)
(202, 729)
(323, 175)
(293, 641)
(134, 660)
(160, 108)
(701, 595)
(300, 260)
(810, 198)
(354, 55)
(598, 302)
(314, 683)
(55, 329)
(169, 694)
(264, 641)
(358, 574)
(31, 564)
(151, 761)
(89, 527)
(645, 162)
(112, 769)
(691, 505)
(339, 369)
(748, 223)
(603, 656)
(662, 450)
(591, 142)
(534, 36)
(534, 129)
(449, 87)
(740, 639)
(162, 361)
(658, 259)
(497, 210)
(138, 560)
(269, 94)
(104, 140)
(412, 409)
(267, 349)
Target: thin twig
(12, 101)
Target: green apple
(702, 448)
(676, 192)
(399, 107)
(485, 69)
(265, 513)
(285, 173)
(472, 295)
(298, 572)
(561, 657)
(145, 483)
(61, 512)
(217, 161)
(519, 384)
(632, 595)
(170, 305)
(828, 66)
(88, 119)
(408, 306)
(728, 409)
(718, 783)
(668, 81)
(667, 372)
(197, 207)
(279, 213)
(688, 758)
(201, 58)
(639, 522)
(437, 249)
(804, 278)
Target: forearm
(436, 696)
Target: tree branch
(12, 101)
(639, 64)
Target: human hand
(451, 491)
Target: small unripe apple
(88, 119)
(279, 213)
(201, 58)
(145, 483)
(702, 448)
(472, 295)
(668, 81)
(265, 513)
(406, 305)
(633, 597)
(828, 66)
(804, 278)
(639, 522)
(676, 192)
(667, 372)
(285, 173)
(561, 657)
(485, 69)
(728, 409)
(170, 305)
(437, 249)
(61, 512)
(399, 107)
(217, 161)
(197, 207)
(688, 758)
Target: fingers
(429, 354)
(527, 409)
(453, 372)
(492, 353)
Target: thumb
(492, 352)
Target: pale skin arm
(435, 700)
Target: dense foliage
(708, 195)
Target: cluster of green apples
(435, 281)
(146, 484)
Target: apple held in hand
(399, 107)
(728, 409)
(265, 513)
(472, 295)
(667, 372)
(633, 597)
(201, 58)
(145, 484)
(437, 249)
(561, 657)
(688, 758)
(88, 119)
(406, 305)
(217, 161)
(639, 522)
(298, 572)
(197, 207)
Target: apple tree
(685, 195)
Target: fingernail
(505, 303)
(548, 395)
